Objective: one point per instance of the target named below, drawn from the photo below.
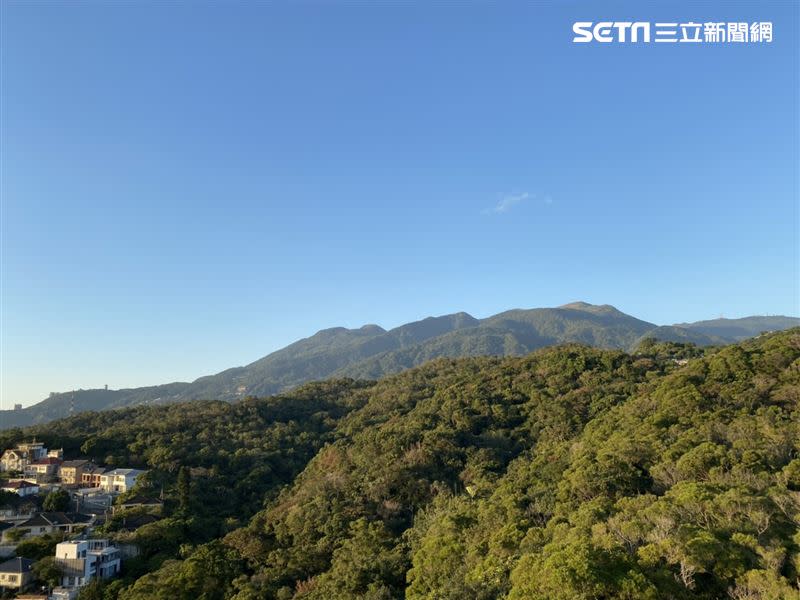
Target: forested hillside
(372, 352)
(571, 473)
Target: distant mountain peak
(593, 308)
(579, 304)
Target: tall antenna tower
(72, 404)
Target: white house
(119, 480)
(20, 487)
(83, 560)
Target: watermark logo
(691, 32)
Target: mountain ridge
(370, 352)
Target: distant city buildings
(31, 471)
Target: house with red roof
(20, 487)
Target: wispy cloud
(506, 203)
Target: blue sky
(189, 186)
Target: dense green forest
(571, 473)
(370, 352)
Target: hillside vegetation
(571, 473)
(372, 352)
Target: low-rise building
(16, 511)
(119, 480)
(50, 522)
(13, 460)
(43, 470)
(17, 458)
(16, 573)
(20, 487)
(62, 593)
(92, 475)
(83, 560)
(71, 471)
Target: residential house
(22, 455)
(16, 573)
(91, 475)
(144, 503)
(20, 487)
(51, 522)
(14, 460)
(36, 449)
(119, 480)
(133, 522)
(22, 509)
(71, 471)
(83, 560)
(43, 470)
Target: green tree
(95, 590)
(39, 547)
(56, 501)
(47, 571)
(184, 488)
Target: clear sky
(189, 186)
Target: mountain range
(371, 352)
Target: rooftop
(50, 460)
(17, 485)
(124, 472)
(51, 519)
(16, 565)
(133, 523)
